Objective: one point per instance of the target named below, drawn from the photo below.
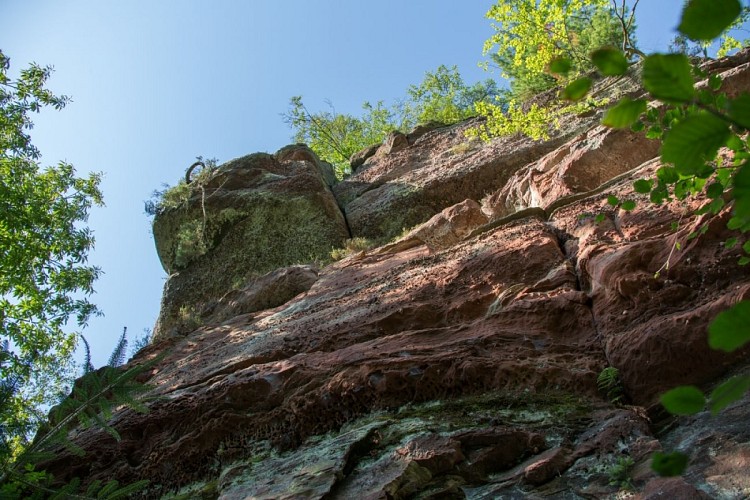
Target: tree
(442, 96)
(44, 276)
(530, 34)
(336, 137)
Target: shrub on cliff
(442, 96)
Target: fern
(117, 358)
(91, 403)
(610, 385)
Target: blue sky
(156, 83)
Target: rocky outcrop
(462, 360)
(581, 165)
(252, 216)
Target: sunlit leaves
(693, 141)
(624, 113)
(684, 400)
(44, 279)
(707, 19)
(730, 330)
(610, 61)
(668, 77)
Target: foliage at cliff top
(441, 97)
(530, 34)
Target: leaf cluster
(44, 276)
(531, 34)
(608, 382)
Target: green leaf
(654, 132)
(730, 330)
(743, 261)
(707, 19)
(625, 113)
(735, 143)
(668, 77)
(683, 400)
(715, 81)
(613, 200)
(715, 190)
(628, 205)
(669, 464)
(642, 186)
(667, 175)
(694, 141)
(610, 61)
(659, 194)
(730, 243)
(638, 126)
(728, 392)
(736, 223)
(739, 110)
(599, 218)
(560, 66)
(716, 205)
(577, 90)
(746, 247)
(742, 193)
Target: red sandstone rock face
(401, 187)
(580, 165)
(465, 371)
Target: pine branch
(118, 354)
(87, 366)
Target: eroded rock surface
(463, 369)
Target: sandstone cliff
(459, 361)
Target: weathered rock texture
(462, 360)
(252, 216)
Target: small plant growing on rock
(189, 317)
(351, 247)
(170, 198)
(610, 385)
(619, 473)
(191, 243)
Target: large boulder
(252, 216)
